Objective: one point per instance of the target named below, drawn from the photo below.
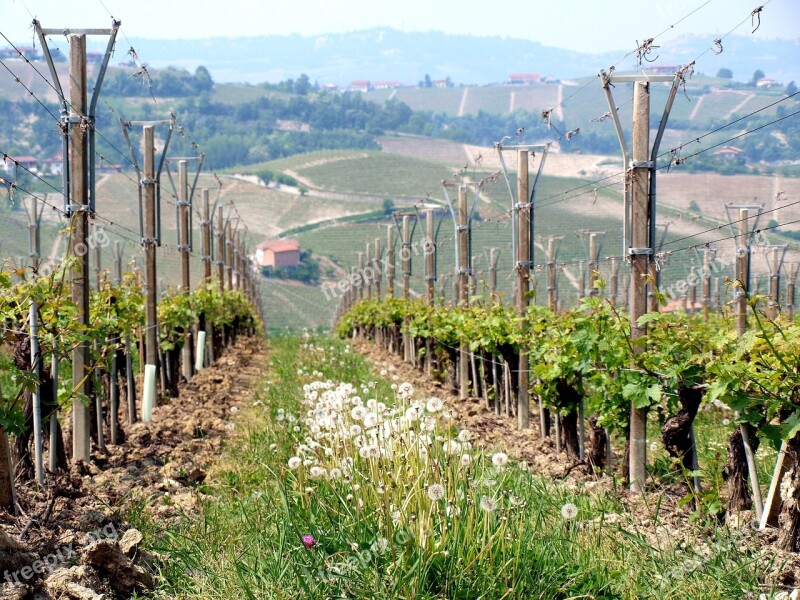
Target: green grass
(378, 533)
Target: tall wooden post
(378, 268)
(96, 252)
(430, 258)
(523, 266)
(791, 278)
(205, 230)
(707, 283)
(390, 267)
(220, 250)
(79, 212)
(229, 257)
(184, 207)
(405, 256)
(614, 280)
(743, 253)
(463, 284)
(493, 270)
(368, 271)
(594, 255)
(640, 263)
(149, 242)
(552, 280)
(742, 270)
(361, 277)
(692, 299)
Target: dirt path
(462, 107)
(158, 469)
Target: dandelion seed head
(569, 511)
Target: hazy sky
(584, 25)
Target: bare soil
(158, 469)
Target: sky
(581, 25)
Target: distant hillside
(387, 54)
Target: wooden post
(95, 248)
(36, 396)
(150, 275)
(523, 269)
(79, 273)
(742, 271)
(692, 289)
(34, 233)
(236, 278)
(581, 280)
(593, 258)
(463, 284)
(405, 259)
(361, 284)
(614, 280)
(493, 270)
(228, 257)
(184, 206)
(368, 272)
(430, 258)
(378, 268)
(743, 277)
(220, 250)
(640, 263)
(706, 283)
(390, 261)
(405, 256)
(774, 260)
(552, 281)
(205, 229)
(791, 278)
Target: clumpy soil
(70, 539)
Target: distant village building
(765, 83)
(330, 87)
(31, 163)
(524, 78)
(278, 253)
(441, 83)
(53, 165)
(28, 52)
(663, 69)
(728, 152)
(386, 85)
(360, 86)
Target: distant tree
(388, 205)
(448, 82)
(428, 82)
(202, 79)
(725, 74)
(302, 86)
(791, 88)
(757, 74)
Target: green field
(379, 174)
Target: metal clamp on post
(642, 164)
(742, 251)
(640, 251)
(430, 277)
(148, 181)
(523, 263)
(182, 247)
(148, 241)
